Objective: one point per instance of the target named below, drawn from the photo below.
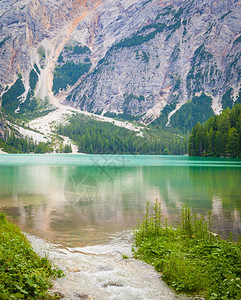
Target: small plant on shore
(23, 274)
(191, 258)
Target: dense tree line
(14, 144)
(99, 137)
(197, 109)
(219, 136)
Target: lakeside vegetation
(23, 274)
(219, 136)
(100, 137)
(191, 259)
(14, 144)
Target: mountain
(164, 62)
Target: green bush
(23, 274)
(190, 258)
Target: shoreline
(106, 271)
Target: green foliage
(4, 40)
(179, 13)
(3, 13)
(73, 50)
(238, 40)
(227, 100)
(10, 99)
(67, 149)
(139, 38)
(4, 146)
(101, 137)
(42, 147)
(175, 26)
(36, 68)
(225, 15)
(81, 50)
(198, 74)
(163, 119)
(175, 53)
(130, 97)
(198, 109)
(14, 144)
(33, 79)
(145, 56)
(123, 116)
(77, 49)
(23, 274)
(68, 74)
(60, 58)
(31, 108)
(190, 258)
(219, 136)
(87, 60)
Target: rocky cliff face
(155, 60)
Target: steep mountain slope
(166, 62)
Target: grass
(191, 259)
(23, 274)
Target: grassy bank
(23, 274)
(190, 258)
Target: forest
(95, 137)
(15, 144)
(218, 136)
(68, 73)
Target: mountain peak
(154, 61)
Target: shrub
(23, 274)
(190, 258)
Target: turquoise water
(84, 199)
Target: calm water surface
(79, 200)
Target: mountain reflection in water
(81, 200)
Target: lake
(79, 200)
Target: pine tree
(219, 136)
(232, 142)
(211, 143)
